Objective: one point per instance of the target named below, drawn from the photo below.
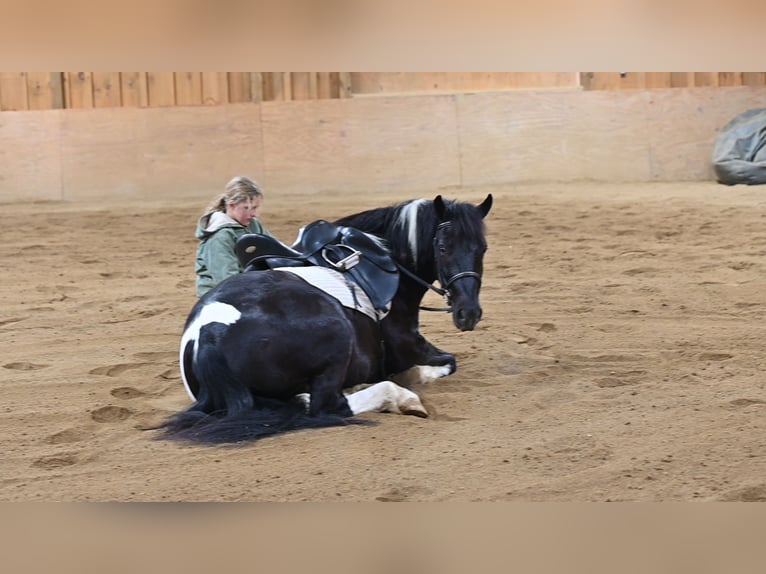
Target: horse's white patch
(305, 398)
(386, 396)
(428, 373)
(215, 312)
(420, 374)
(408, 217)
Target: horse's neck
(411, 291)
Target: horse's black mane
(392, 224)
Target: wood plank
(324, 85)
(135, 89)
(407, 82)
(56, 80)
(276, 85)
(605, 81)
(31, 155)
(361, 144)
(40, 91)
(78, 90)
(631, 80)
(681, 79)
(525, 133)
(729, 78)
(267, 81)
(188, 87)
(256, 86)
(107, 90)
(753, 78)
(162, 88)
(705, 79)
(239, 87)
(215, 88)
(287, 85)
(657, 79)
(345, 85)
(183, 151)
(313, 86)
(301, 87)
(13, 91)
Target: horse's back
(272, 327)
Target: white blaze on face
(214, 312)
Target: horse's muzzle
(466, 319)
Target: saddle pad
(335, 284)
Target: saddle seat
(362, 259)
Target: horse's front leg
(385, 396)
(412, 359)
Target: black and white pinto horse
(264, 352)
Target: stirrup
(348, 262)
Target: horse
(265, 352)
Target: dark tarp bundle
(739, 153)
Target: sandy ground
(620, 357)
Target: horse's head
(459, 247)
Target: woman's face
(244, 211)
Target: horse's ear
(485, 206)
(441, 210)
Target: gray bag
(739, 153)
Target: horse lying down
(266, 352)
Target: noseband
(445, 283)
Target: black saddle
(345, 249)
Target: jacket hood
(212, 222)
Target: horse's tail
(227, 412)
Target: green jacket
(216, 258)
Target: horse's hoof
(414, 408)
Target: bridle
(445, 283)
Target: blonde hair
(239, 189)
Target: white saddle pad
(335, 284)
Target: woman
(228, 217)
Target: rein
(445, 284)
(443, 292)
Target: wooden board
(360, 145)
(135, 89)
(325, 87)
(408, 144)
(188, 87)
(730, 78)
(135, 152)
(107, 89)
(302, 85)
(657, 79)
(78, 90)
(30, 166)
(552, 135)
(44, 90)
(239, 87)
(683, 125)
(162, 88)
(215, 88)
(407, 82)
(681, 79)
(753, 78)
(13, 91)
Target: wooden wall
(411, 145)
(634, 80)
(86, 90)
